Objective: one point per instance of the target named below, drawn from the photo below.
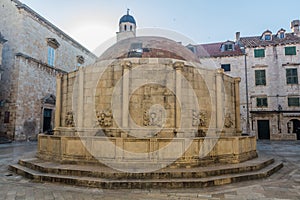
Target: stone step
(170, 173)
(146, 183)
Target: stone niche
(154, 104)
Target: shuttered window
(262, 102)
(260, 77)
(290, 50)
(293, 101)
(259, 53)
(292, 76)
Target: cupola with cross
(127, 27)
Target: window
(131, 28)
(80, 61)
(192, 48)
(226, 67)
(228, 47)
(52, 46)
(268, 37)
(290, 51)
(6, 117)
(292, 76)
(293, 101)
(281, 35)
(262, 102)
(125, 27)
(51, 56)
(260, 77)
(136, 50)
(259, 53)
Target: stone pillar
(178, 68)
(58, 101)
(80, 101)
(219, 100)
(126, 66)
(237, 105)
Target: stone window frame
(260, 77)
(52, 44)
(262, 102)
(290, 51)
(259, 53)
(291, 75)
(293, 101)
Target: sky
(93, 22)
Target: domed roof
(127, 18)
(148, 47)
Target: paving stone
(282, 185)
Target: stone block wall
(93, 98)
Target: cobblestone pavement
(285, 184)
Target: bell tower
(127, 27)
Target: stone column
(80, 101)
(58, 101)
(219, 100)
(178, 68)
(237, 105)
(126, 66)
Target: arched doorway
(294, 127)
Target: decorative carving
(146, 120)
(104, 118)
(178, 65)
(69, 121)
(126, 65)
(199, 118)
(228, 121)
(153, 118)
(147, 92)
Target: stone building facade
(35, 52)
(268, 65)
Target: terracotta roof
(214, 50)
(256, 41)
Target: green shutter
(262, 102)
(293, 101)
(259, 53)
(290, 50)
(260, 77)
(292, 76)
